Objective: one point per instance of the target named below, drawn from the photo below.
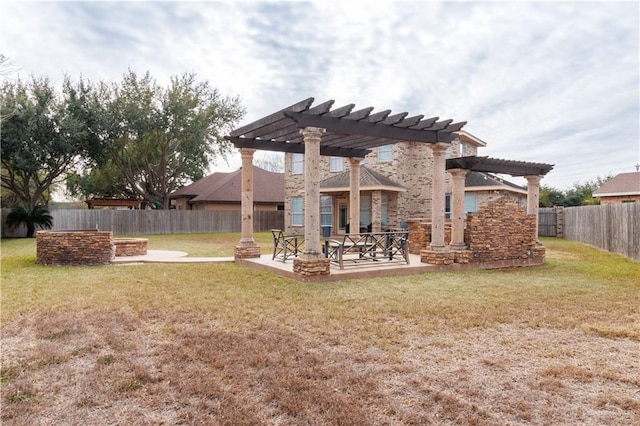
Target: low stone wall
(131, 246)
(499, 235)
(74, 247)
(502, 231)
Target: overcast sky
(551, 82)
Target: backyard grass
(225, 344)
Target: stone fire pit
(84, 247)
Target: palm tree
(38, 216)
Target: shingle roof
(268, 187)
(622, 184)
(369, 180)
(480, 180)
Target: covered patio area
(319, 130)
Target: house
(394, 186)
(222, 191)
(622, 188)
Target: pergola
(341, 132)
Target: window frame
(336, 164)
(385, 153)
(297, 163)
(297, 211)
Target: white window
(297, 217)
(336, 164)
(447, 153)
(470, 202)
(461, 149)
(297, 164)
(385, 153)
(326, 210)
(365, 210)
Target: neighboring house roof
(268, 187)
(619, 185)
(369, 181)
(479, 181)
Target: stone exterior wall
(502, 231)
(74, 247)
(411, 167)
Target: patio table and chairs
(286, 246)
(367, 247)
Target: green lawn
(203, 343)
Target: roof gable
(369, 180)
(622, 184)
(268, 187)
(480, 181)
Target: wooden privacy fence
(611, 227)
(140, 222)
(548, 221)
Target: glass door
(342, 207)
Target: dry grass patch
(224, 344)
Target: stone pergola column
(311, 262)
(438, 196)
(457, 214)
(247, 247)
(312, 136)
(376, 211)
(533, 197)
(354, 195)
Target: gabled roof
(479, 181)
(622, 184)
(268, 187)
(369, 181)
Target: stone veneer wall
(130, 246)
(502, 231)
(74, 247)
(309, 268)
(498, 235)
(411, 167)
(420, 234)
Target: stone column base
(311, 266)
(246, 250)
(445, 257)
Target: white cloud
(548, 82)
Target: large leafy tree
(580, 194)
(157, 139)
(41, 139)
